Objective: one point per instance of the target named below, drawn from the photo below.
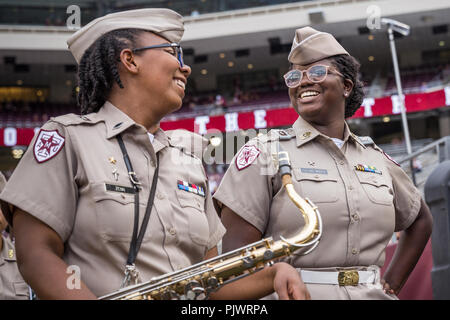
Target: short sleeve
(216, 228)
(407, 198)
(43, 184)
(245, 187)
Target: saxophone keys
(268, 254)
(194, 291)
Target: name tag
(314, 171)
(121, 189)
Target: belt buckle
(348, 278)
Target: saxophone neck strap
(138, 233)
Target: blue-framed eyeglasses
(178, 51)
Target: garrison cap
(310, 46)
(164, 22)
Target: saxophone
(196, 282)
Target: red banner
(263, 118)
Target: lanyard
(138, 233)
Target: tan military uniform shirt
(360, 210)
(12, 285)
(83, 192)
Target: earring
(346, 94)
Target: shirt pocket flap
(107, 191)
(319, 176)
(189, 199)
(372, 180)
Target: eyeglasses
(316, 74)
(176, 46)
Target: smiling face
(320, 102)
(160, 77)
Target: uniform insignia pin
(115, 174)
(190, 187)
(311, 163)
(10, 253)
(112, 160)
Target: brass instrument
(198, 281)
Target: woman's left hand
(288, 284)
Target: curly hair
(98, 71)
(349, 67)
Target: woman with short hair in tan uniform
(362, 194)
(108, 194)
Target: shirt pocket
(377, 189)
(114, 211)
(21, 289)
(319, 188)
(193, 207)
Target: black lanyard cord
(136, 240)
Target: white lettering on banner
(447, 96)
(10, 137)
(260, 119)
(231, 122)
(396, 104)
(201, 122)
(367, 104)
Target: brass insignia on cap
(10, 253)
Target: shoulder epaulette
(75, 119)
(366, 140)
(182, 149)
(283, 135)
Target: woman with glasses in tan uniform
(107, 199)
(362, 194)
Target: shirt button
(172, 231)
(354, 251)
(123, 196)
(160, 196)
(199, 205)
(341, 162)
(350, 187)
(355, 217)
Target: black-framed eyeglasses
(176, 46)
(316, 74)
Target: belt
(348, 277)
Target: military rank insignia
(364, 168)
(189, 187)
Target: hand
(288, 284)
(387, 288)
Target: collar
(115, 119)
(305, 132)
(8, 252)
(161, 140)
